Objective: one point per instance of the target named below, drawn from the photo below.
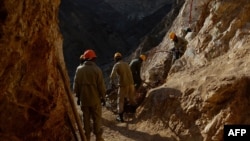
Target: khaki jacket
(122, 70)
(89, 84)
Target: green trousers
(94, 112)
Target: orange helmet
(89, 54)
(143, 57)
(172, 35)
(117, 55)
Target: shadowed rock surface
(33, 102)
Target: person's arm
(101, 87)
(113, 75)
(76, 87)
(139, 71)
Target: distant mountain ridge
(105, 28)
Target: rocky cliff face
(209, 86)
(33, 79)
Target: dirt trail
(127, 131)
(130, 130)
(114, 131)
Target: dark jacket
(135, 66)
(180, 44)
(89, 84)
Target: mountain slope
(209, 86)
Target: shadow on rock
(163, 106)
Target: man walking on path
(89, 85)
(126, 88)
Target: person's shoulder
(134, 60)
(182, 38)
(138, 60)
(121, 63)
(125, 62)
(79, 67)
(117, 64)
(89, 63)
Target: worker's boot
(87, 137)
(99, 135)
(120, 117)
(99, 139)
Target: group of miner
(90, 89)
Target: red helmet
(89, 54)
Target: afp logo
(239, 132)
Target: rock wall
(208, 86)
(33, 80)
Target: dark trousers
(94, 112)
(176, 55)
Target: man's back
(181, 44)
(89, 83)
(122, 69)
(135, 65)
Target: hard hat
(117, 55)
(143, 57)
(89, 54)
(172, 35)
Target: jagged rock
(33, 82)
(212, 77)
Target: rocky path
(130, 130)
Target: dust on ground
(130, 130)
(133, 129)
